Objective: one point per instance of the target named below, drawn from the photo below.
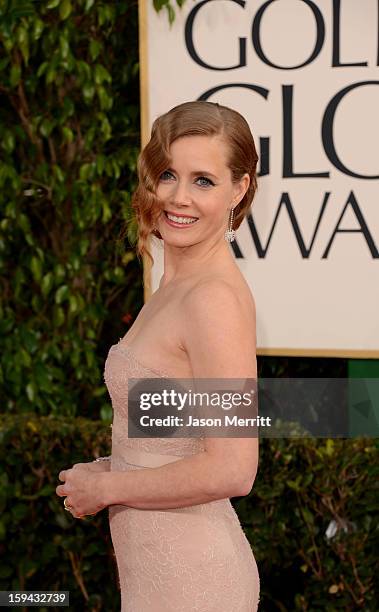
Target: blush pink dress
(191, 559)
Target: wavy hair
(198, 118)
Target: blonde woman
(177, 539)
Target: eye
(166, 175)
(205, 182)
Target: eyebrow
(197, 173)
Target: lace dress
(191, 559)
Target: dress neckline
(125, 348)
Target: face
(197, 191)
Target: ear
(241, 188)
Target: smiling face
(197, 191)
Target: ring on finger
(66, 506)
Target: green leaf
(65, 9)
(36, 268)
(21, 35)
(88, 91)
(101, 74)
(74, 304)
(68, 134)
(46, 490)
(36, 303)
(50, 75)
(105, 101)
(105, 13)
(107, 212)
(30, 391)
(58, 316)
(38, 26)
(83, 246)
(85, 172)
(64, 46)
(308, 517)
(59, 272)
(8, 43)
(58, 173)
(94, 49)
(43, 378)
(100, 164)
(171, 14)
(8, 141)
(106, 413)
(47, 283)
(106, 130)
(61, 294)
(128, 257)
(159, 4)
(84, 70)
(25, 358)
(89, 4)
(15, 75)
(42, 68)
(294, 484)
(47, 127)
(25, 51)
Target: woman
(178, 542)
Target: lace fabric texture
(192, 559)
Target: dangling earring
(230, 234)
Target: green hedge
(41, 545)
(302, 485)
(69, 140)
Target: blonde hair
(191, 119)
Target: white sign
(305, 76)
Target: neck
(184, 262)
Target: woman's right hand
(94, 466)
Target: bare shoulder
(211, 289)
(219, 330)
(217, 295)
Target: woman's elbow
(236, 487)
(246, 487)
(246, 481)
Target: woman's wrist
(102, 464)
(105, 487)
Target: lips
(176, 214)
(180, 224)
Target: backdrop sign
(305, 75)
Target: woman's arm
(219, 339)
(196, 479)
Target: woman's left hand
(83, 490)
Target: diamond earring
(230, 234)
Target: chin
(177, 242)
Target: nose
(180, 194)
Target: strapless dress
(191, 559)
